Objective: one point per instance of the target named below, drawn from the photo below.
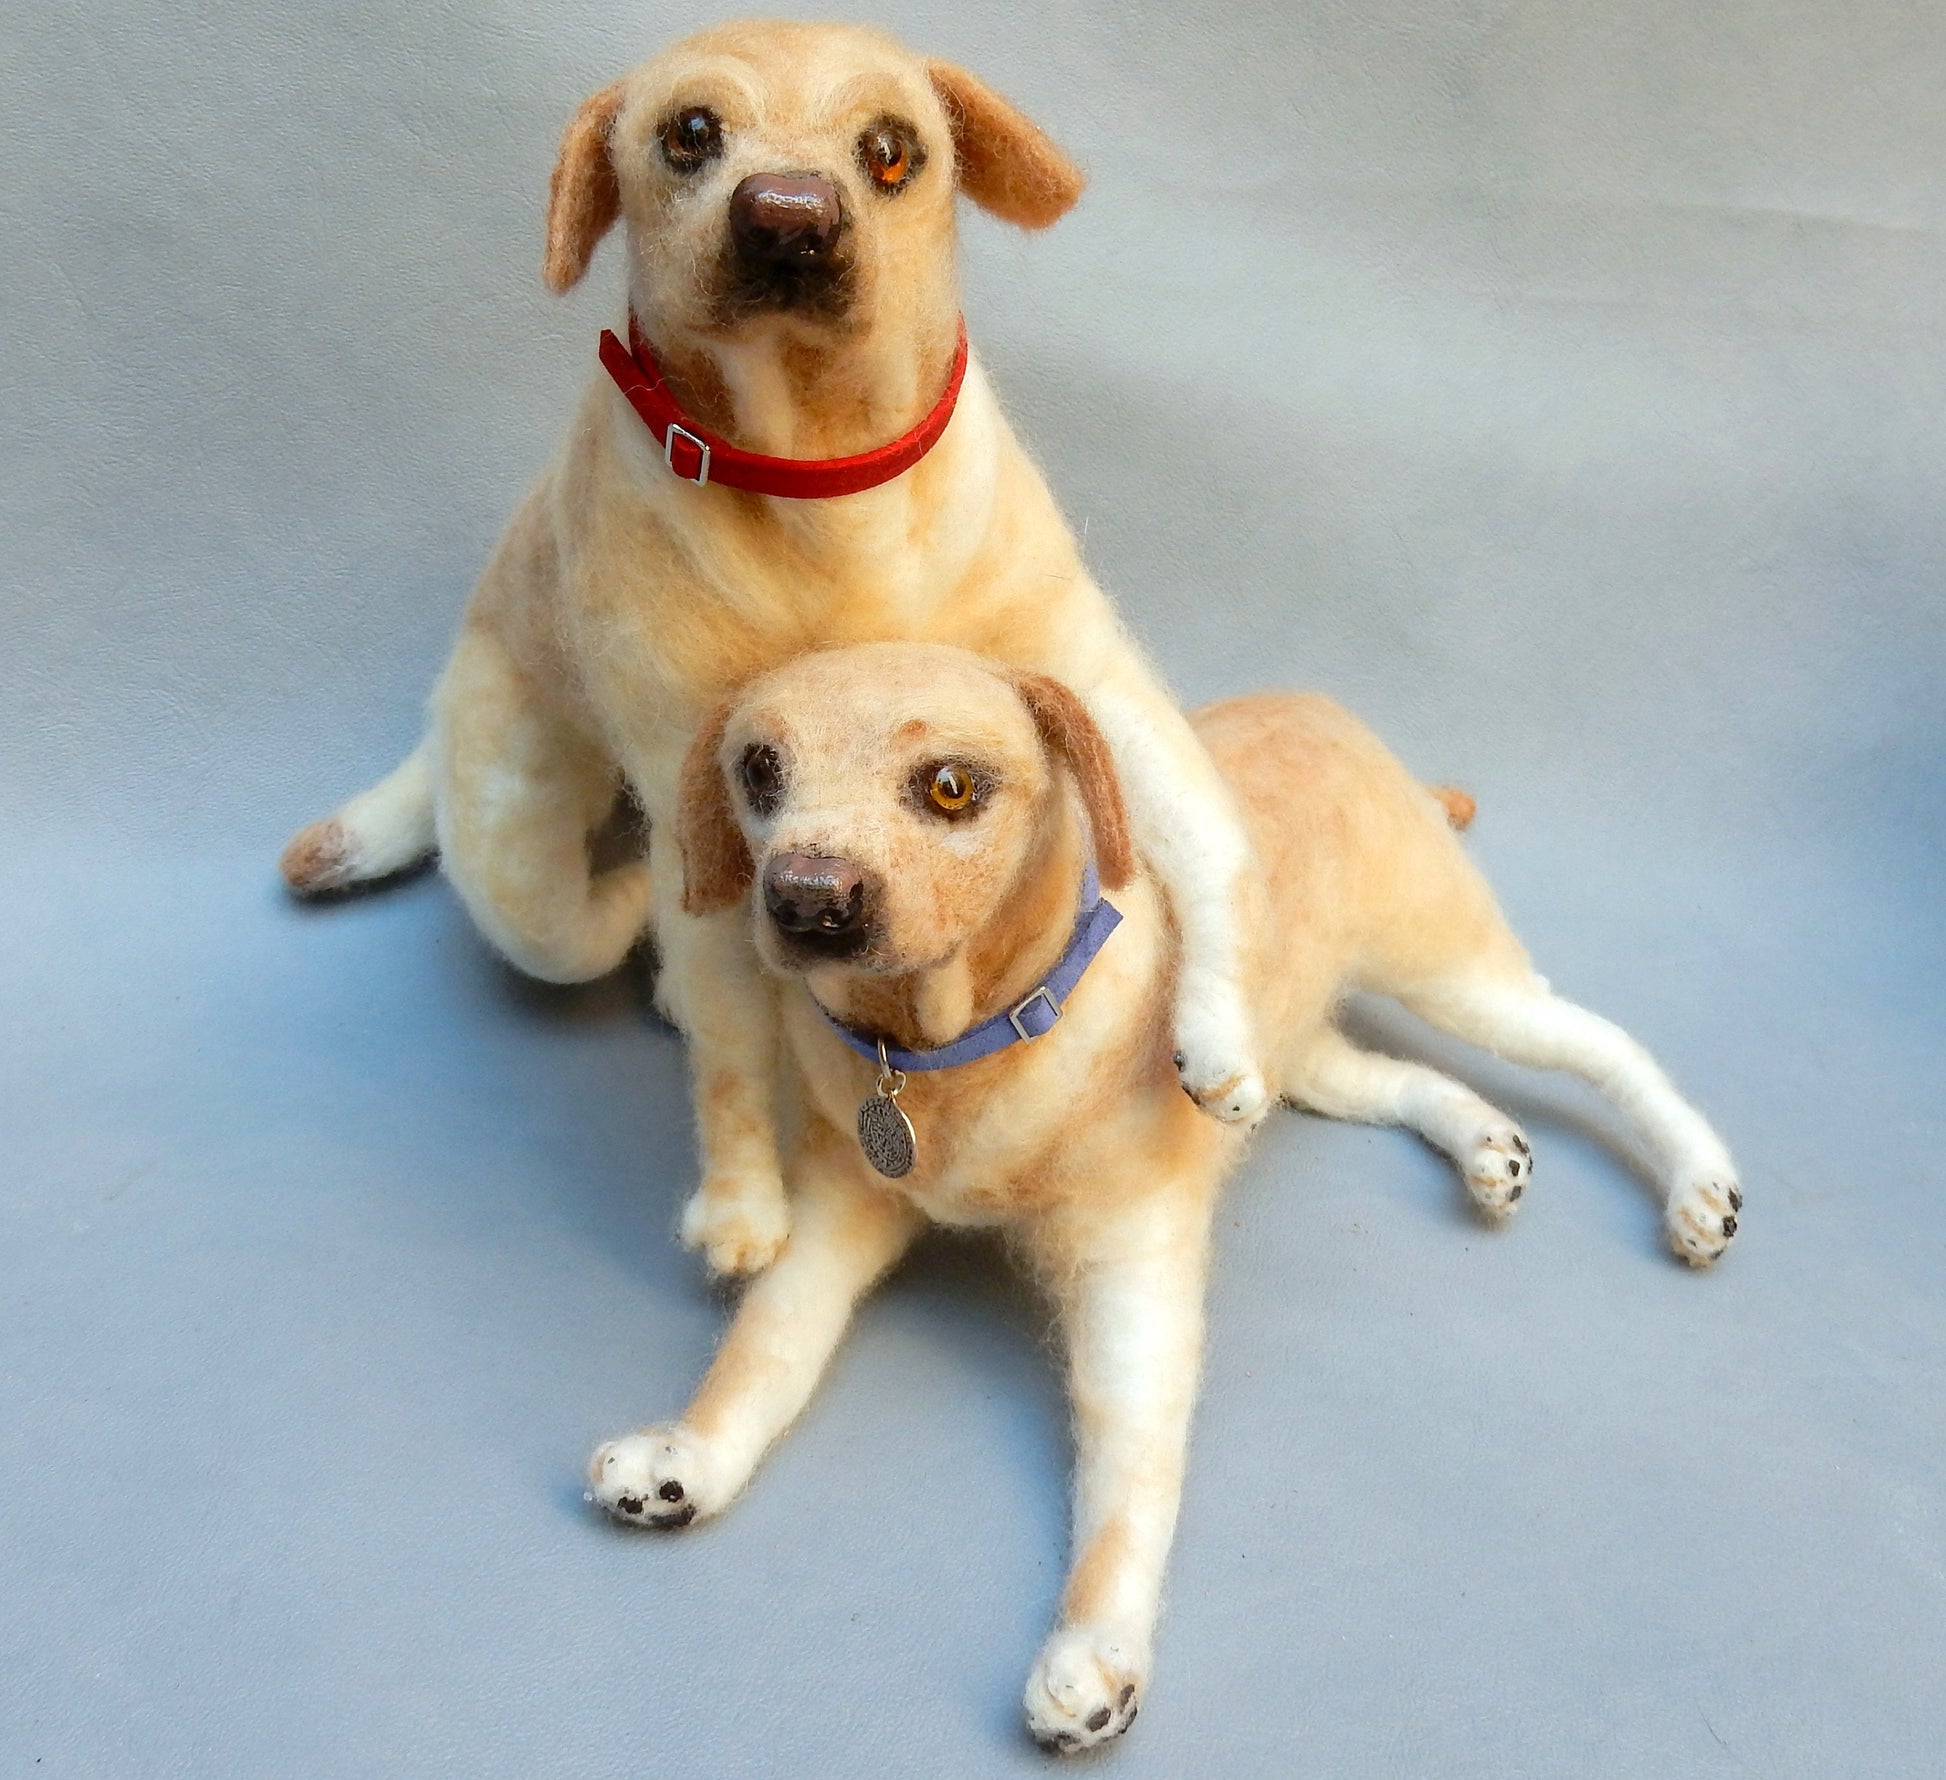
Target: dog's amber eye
(692, 137)
(951, 789)
(763, 778)
(886, 154)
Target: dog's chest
(659, 633)
(673, 597)
(992, 1141)
(973, 1165)
(969, 1191)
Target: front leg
(710, 985)
(1131, 1299)
(845, 1234)
(1186, 824)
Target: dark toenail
(1181, 1058)
(1736, 1200)
(629, 1504)
(1520, 1143)
(681, 1518)
(1729, 1226)
(1516, 1193)
(1098, 1719)
(670, 1491)
(1513, 1168)
(1130, 1719)
(1128, 1693)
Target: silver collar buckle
(701, 478)
(1021, 1006)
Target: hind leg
(379, 832)
(1518, 1017)
(1331, 1075)
(518, 790)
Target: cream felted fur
(623, 602)
(1080, 1145)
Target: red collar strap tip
(701, 457)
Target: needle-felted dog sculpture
(936, 857)
(787, 446)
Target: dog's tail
(1458, 805)
(381, 831)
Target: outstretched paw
(1084, 1690)
(661, 1477)
(1236, 1097)
(1498, 1168)
(739, 1229)
(1214, 1055)
(1701, 1217)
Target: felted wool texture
(623, 602)
(1079, 1145)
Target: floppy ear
(583, 199)
(716, 867)
(1070, 735)
(1006, 164)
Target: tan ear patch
(1007, 163)
(716, 864)
(584, 197)
(1069, 733)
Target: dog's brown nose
(817, 901)
(786, 218)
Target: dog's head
(806, 173)
(888, 805)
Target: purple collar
(1030, 1017)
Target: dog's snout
(786, 218)
(817, 901)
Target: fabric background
(1558, 382)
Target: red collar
(701, 457)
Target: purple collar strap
(1029, 1018)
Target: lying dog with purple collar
(979, 1038)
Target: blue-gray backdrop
(1557, 381)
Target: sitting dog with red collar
(795, 448)
(980, 1038)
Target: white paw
(1215, 1059)
(661, 1477)
(1498, 1167)
(1085, 1689)
(1701, 1217)
(740, 1228)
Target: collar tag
(885, 1134)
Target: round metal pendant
(885, 1135)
